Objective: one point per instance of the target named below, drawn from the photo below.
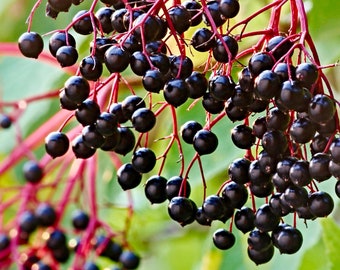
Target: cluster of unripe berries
(295, 117)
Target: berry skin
(181, 209)
(213, 9)
(82, 26)
(116, 59)
(129, 260)
(91, 68)
(259, 240)
(197, 84)
(302, 130)
(213, 207)
(194, 9)
(223, 239)
(306, 74)
(267, 85)
(60, 39)
(320, 203)
(45, 214)
(143, 120)
(229, 8)
(265, 219)
(28, 222)
(319, 167)
(56, 144)
(335, 150)
(220, 53)
(91, 137)
(127, 141)
(238, 170)
(143, 160)
(130, 104)
(174, 187)
(260, 256)
(278, 47)
(155, 189)
(176, 92)
(104, 17)
(67, 56)
(33, 172)
(80, 148)
(128, 177)
(259, 62)
(321, 109)
(181, 67)
(60, 5)
(205, 142)
(56, 240)
(31, 44)
(106, 124)
(235, 194)
(202, 40)
(80, 219)
(5, 121)
(87, 112)
(77, 89)
(188, 131)
(180, 18)
(244, 219)
(289, 240)
(242, 136)
(153, 80)
(221, 87)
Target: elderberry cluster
(275, 92)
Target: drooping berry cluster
(278, 83)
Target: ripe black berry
(56, 144)
(320, 203)
(176, 92)
(155, 189)
(265, 219)
(83, 25)
(59, 39)
(176, 187)
(180, 18)
(321, 108)
(91, 68)
(203, 40)
(242, 136)
(306, 74)
(229, 8)
(116, 59)
(221, 87)
(181, 209)
(188, 131)
(67, 56)
(80, 219)
(129, 260)
(45, 214)
(205, 142)
(128, 177)
(33, 172)
(143, 120)
(77, 89)
(127, 141)
(223, 239)
(81, 149)
(31, 44)
(220, 53)
(87, 112)
(244, 219)
(259, 62)
(143, 160)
